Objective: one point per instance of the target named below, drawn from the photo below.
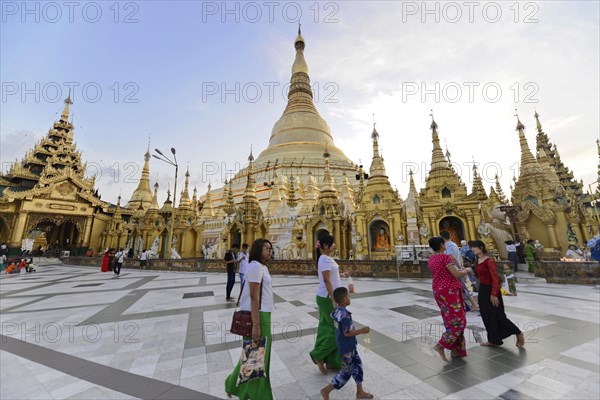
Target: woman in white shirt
(261, 305)
(511, 248)
(325, 353)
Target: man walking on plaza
(119, 258)
(230, 262)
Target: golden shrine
(311, 187)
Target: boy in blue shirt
(346, 342)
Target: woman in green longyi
(530, 255)
(260, 305)
(325, 353)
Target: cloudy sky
(209, 78)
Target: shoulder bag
(242, 320)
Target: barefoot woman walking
(497, 325)
(326, 350)
(261, 305)
(447, 290)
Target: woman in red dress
(497, 325)
(447, 290)
(105, 261)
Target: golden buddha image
(382, 241)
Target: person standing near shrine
(325, 353)
(143, 259)
(105, 261)
(530, 255)
(511, 248)
(230, 262)
(497, 325)
(453, 251)
(243, 262)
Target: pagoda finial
(374, 134)
(65, 114)
(250, 157)
(519, 123)
(537, 122)
(433, 124)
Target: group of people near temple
(113, 261)
(336, 344)
(456, 274)
(448, 287)
(15, 266)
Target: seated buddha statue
(382, 241)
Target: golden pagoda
(298, 188)
(47, 200)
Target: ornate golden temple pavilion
(312, 187)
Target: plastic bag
(350, 285)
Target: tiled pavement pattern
(74, 332)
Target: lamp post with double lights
(172, 162)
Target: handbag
(241, 323)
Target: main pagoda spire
(300, 132)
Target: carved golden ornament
(64, 189)
(449, 207)
(38, 204)
(544, 213)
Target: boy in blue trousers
(346, 342)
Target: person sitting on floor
(12, 269)
(29, 266)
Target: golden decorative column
(471, 228)
(18, 231)
(552, 235)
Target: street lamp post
(172, 162)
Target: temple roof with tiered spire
(377, 170)
(185, 202)
(478, 191)
(529, 165)
(154, 203)
(52, 158)
(142, 194)
(441, 175)
(565, 176)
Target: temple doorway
(236, 237)
(53, 237)
(455, 227)
(4, 232)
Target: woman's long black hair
(325, 239)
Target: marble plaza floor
(74, 332)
